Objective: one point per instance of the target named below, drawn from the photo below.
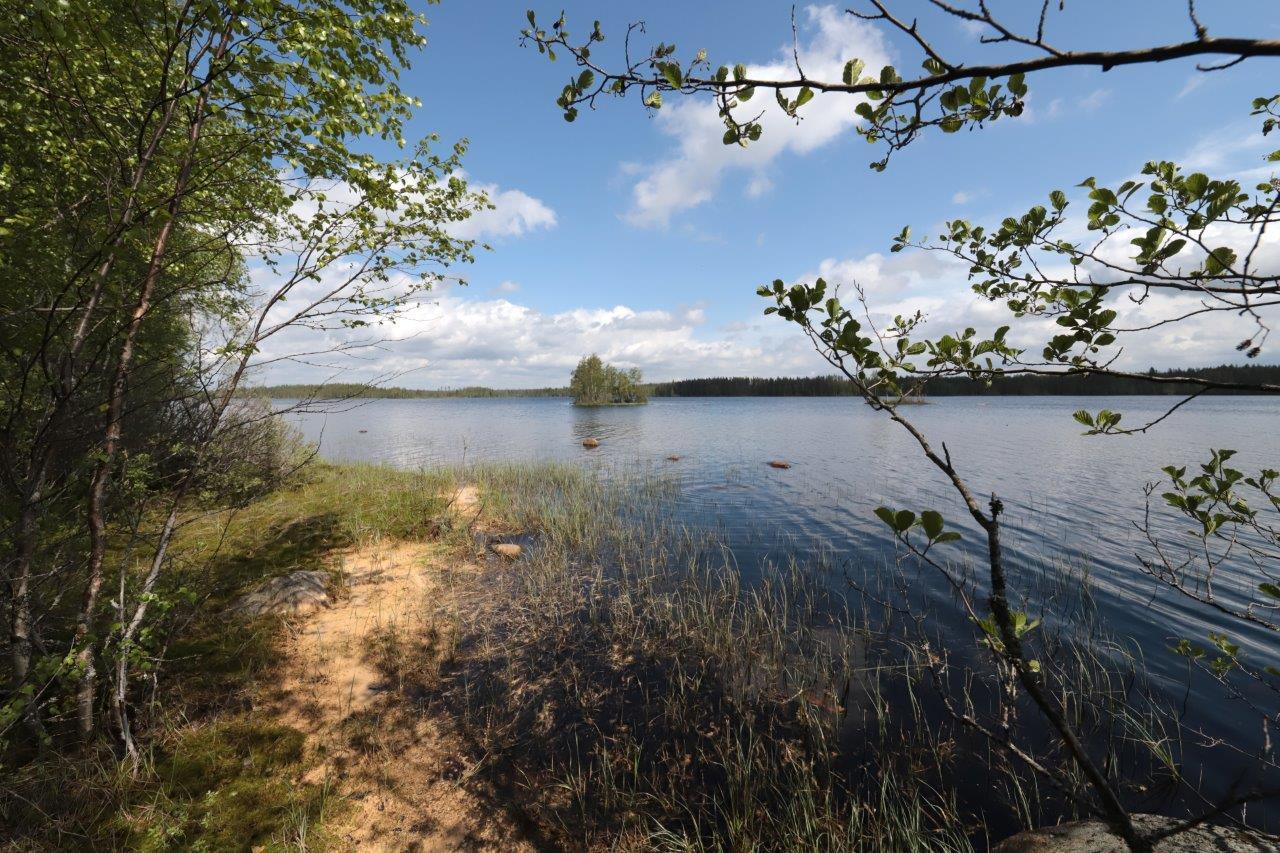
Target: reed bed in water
(633, 690)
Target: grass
(216, 775)
(644, 696)
(641, 694)
(620, 683)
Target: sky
(642, 238)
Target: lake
(1071, 500)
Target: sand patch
(353, 677)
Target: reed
(644, 692)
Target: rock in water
(591, 442)
(1093, 836)
(778, 463)
(296, 593)
(506, 549)
(673, 458)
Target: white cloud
(938, 286)
(759, 184)
(454, 341)
(1061, 107)
(515, 213)
(505, 287)
(1195, 81)
(692, 174)
(1090, 102)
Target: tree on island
(595, 383)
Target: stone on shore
(506, 549)
(778, 463)
(295, 594)
(1094, 836)
(591, 442)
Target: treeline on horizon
(1005, 386)
(355, 390)
(829, 386)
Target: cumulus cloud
(1161, 330)
(692, 174)
(454, 341)
(514, 214)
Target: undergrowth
(216, 775)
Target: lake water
(1070, 499)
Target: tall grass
(622, 681)
(645, 696)
(637, 691)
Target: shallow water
(1070, 500)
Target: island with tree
(595, 383)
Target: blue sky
(643, 238)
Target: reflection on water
(1070, 499)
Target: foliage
(1180, 244)
(355, 391)
(595, 383)
(181, 184)
(1067, 384)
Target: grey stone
(1094, 836)
(296, 593)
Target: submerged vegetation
(187, 187)
(1065, 275)
(619, 682)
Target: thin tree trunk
(87, 690)
(21, 617)
(1116, 814)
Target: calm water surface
(1070, 499)
(1067, 495)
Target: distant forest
(353, 390)
(829, 386)
(1010, 386)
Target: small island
(595, 383)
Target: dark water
(1070, 499)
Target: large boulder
(1094, 836)
(294, 594)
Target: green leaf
(852, 71)
(1219, 261)
(653, 100)
(932, 523)
(903, 519)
